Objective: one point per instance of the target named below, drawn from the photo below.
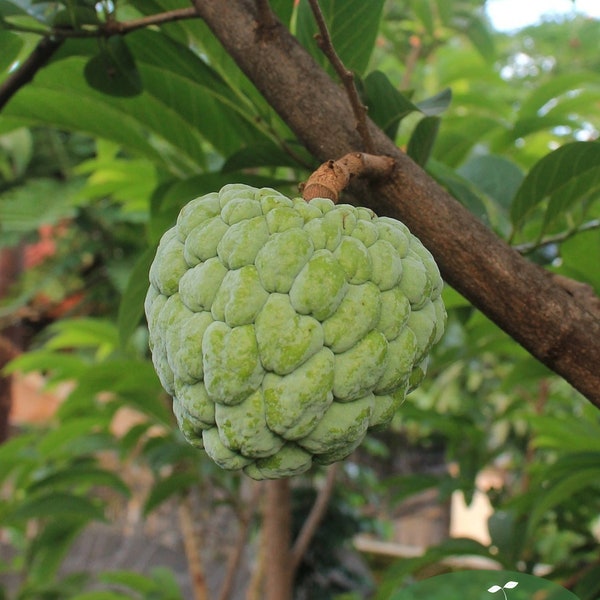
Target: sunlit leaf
(563, 177)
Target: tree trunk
(277, 529)
(519, 296)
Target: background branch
(54, 39)
(311, 523)
(41, 54)
(539, 314)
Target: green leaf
(424, 12)
(570, 475)
(113, 70)
(579, 256)
(560, 85)
(48, 549)
(84, 476)
(84, 332)
(130, 579)
(131, 307)
(423, 139)
(478, 33)
(59, 441)
(175, 483)
(563, 177)
(22, 209)
(101, 595)
(56, 504)
(75, 16)
(264, 154)
(436, 104)
(397, 574)
(387, 106)
(460, 188)
(496, 176)
(58, 367)
(352, 25)
(10, 46)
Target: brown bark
(517, 295)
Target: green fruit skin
(286, 330)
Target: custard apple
(285, 329)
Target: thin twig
(41, 54)
(236, 554)
(112, 26)
(311, 524)
(53, 40)
(346, 76)
(529, 247)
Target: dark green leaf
(49, 548)
(8, 8)
(579, 256)
(76, 16)
(460, 188)
(130, 579)
(113, 70)
(352, 25)
(264, 154)
(84, 476)
(10, 46)
(56, 504)
(131, 307)
(563, 177)
(423, 139)
(101, 595)
(436, 104)
(387, 106)
(58, 442)
(176, 483)
(397, 574)
(497, 176)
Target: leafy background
(114, 135)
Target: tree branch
(513, 292)
(310, 525)
(330, 179)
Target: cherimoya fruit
(284, 330)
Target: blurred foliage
(93, 170)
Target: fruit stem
(277, 528)
(333, 176)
